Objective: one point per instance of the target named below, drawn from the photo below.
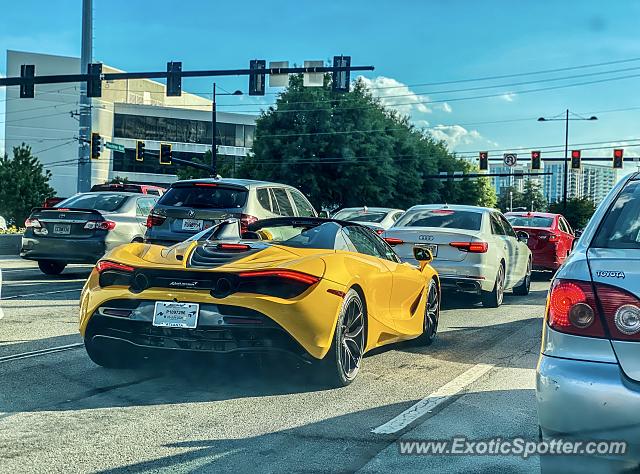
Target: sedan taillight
(574, 308)
(100, 225)
(33, 223)
(472, 247)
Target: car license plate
(432, 247)
(192, 224)
(176, 315)
(64, 229)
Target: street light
(566, 119)
(214, 131)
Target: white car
(3, 223)
(475, 249)
(376, 218)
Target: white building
(127, 111)
(592, 181)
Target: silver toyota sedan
(588, 374)
(475, 249)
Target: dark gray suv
(193, 205)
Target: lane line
(41, 352)
(41, 293)
(427, 404)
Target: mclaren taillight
(393, 241)
(105, 265)
(276, 282)
(234, 247)
(100, 225)
(114, 274)
(154, 220)
(33, 223)
(473, 247)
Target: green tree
(225, 167)
(578, 211)
(24, 184)
(349, 150)
(510, 194)
(119, 180)
(532, 197)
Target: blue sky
(409, 43)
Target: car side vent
(205, 256)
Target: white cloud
(421, 123)
(445, 107)
(455, 135)
(509, 96)
(388, 91)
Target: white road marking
(436, 398)
(50, 350)
(41, 293)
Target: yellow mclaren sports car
(325, 290)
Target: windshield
(447, 218)
(205, 197)
(530, 221)
(99, 202)
(323, 236)
(360, 215)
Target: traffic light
(165, 154)
(174, 79)
(27, 73)
(484, 160)
(257, 79)
(575, 159)
(94, 81)
(139, 150)
(341, 79)
(96, 145)
(617, 158)
(536, 162)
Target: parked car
(192, 205)
(130, 188)
(376, 218)
(588, 375)
(550, 237)
(475, 249)
(82, 228)
(312, 295)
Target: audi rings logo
(191, 213)
(426, 237)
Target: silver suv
(193, 205)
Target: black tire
(523, 288)
(342, 363)
(110, 358)
(431, 315)
(493, 299)
(51, 267)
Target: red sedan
(550, 237)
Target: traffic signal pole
(566, 162)
(84, 130)
(214, 147)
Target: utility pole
(84, 163)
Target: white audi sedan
(475, 249)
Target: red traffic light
(575, 154)
(535, 155)
(617, 153)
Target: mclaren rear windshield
(300, 234)
(446, 218)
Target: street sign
(114, 146)
(278, 80)
(510, 159)
(313, 79)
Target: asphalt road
(61, 413)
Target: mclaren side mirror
(422, 255)
(523, 236)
